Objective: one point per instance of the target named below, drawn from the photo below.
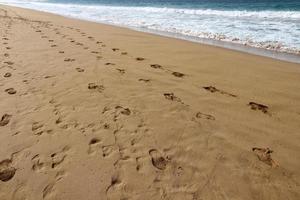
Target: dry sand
(91, 111)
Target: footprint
(6, 55)
(213, 90)
(37, 164)
(49, 76)
(172, 97)
(122, 71)
(5, 119)
(156, 66)
(205, 116)
(51, 40)
(158, 160)
(7, 172)
(106, 150)
(95, 52)
(69, 60)
(93, 144)
(140, 59)
(257, 106)
(94, 86)
(144, 80)
(61, 52)
(36, 128)
(59, 157)
(178, 74)
(138, 164)
(54, 45)
(124, 53)
(125, 111)
(98, 42)
(8, 62)
(6, 75)
(48, 190)
(115, 49)
(264, 155)
(109, 63)
(115, 180)
(11, 91)
(106, 126)
(79, 69)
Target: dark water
(252, 5)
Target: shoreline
(278, 55)
(94, 111)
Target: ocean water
(267, 24)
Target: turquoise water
(267, 24)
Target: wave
(272, 30)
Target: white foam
(273, 30)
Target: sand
(91, 111)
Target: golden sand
(92, 112)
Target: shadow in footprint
(215, 90)
(7, 172)
(5, 119)
(69, 60)
(121, 71)
(144, 80)
(178, 74)
(78, 69)
(172, 97)
(257, 106)
(6, 75)
(9, 62)
(11, 91)
(156, 66)
(158, 161)
(205, 116)
(94, 142)
(94, 86)
(109, 63)
(140, 59)
(264, 155)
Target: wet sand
(91, 111)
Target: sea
(267, 25)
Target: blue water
(268, 24)
(254, 5)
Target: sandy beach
(92, 111)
